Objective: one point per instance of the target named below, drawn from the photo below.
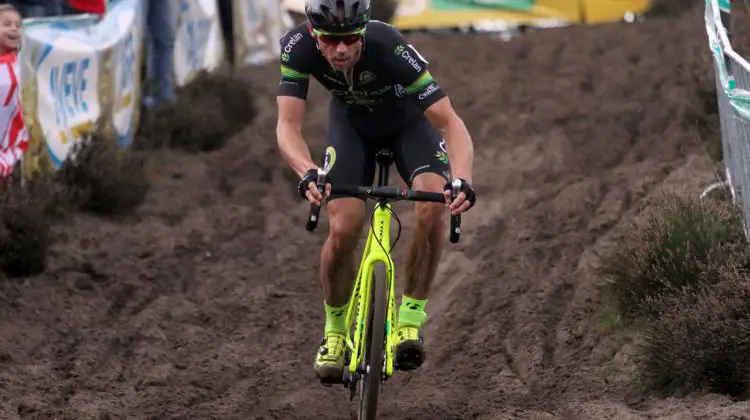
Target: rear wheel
(375, 346)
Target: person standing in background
(160, 29)
(75, 7)
(31, 8)
(15, 139)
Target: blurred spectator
(15, 139)
(74, 7)
(32, 8)
(227, 28)
(160, 29)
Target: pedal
(409, 358)
(328, 382)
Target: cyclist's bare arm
(457, 139)
(294, 150)
(292, 146)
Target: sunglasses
(348, 38)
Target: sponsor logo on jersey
(432, 87)
(333, 79)
(406, 55)
(366, 77)
(400, 91)
(363, 93)
(292, 42)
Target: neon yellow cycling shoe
(409, 353)
(329, 360)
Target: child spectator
(14, 140)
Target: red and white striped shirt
(15, 139)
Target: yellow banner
(440, 14)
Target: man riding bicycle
(382, 96)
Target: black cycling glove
(471, 197)
(310, 176)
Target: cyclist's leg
(422, 162)
(353, 163)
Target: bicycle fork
(377, 239)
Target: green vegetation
(680, 280)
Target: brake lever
(455, 220)
(312, 219)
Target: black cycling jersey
(383, 107)
(390, 72)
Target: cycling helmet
(337, 15)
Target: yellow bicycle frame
(377, 249)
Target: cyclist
(382, 95)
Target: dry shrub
(26, 215)
(701, 341)
(104, 179)
(669, 251)
(207, 112)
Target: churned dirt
(205, 304)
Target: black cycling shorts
(416, 145)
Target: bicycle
(369, 354)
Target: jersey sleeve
(295, 73)
(411, 71)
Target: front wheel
(375, 346)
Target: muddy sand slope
(205, 304)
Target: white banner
(198, 43)
(79, 77)
(68, 103)
(126, 59)
(258, 26)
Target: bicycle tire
(370, 391)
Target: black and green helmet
(337, 15)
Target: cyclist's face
(341, 51)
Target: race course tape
(80, 74)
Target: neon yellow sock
(411, 313)
(336, 319)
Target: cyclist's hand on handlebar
(308, 189)
(465, 200)
(314, 196)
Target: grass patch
(668, 253)
(701, 341)
(207, 112)
(680, 281)
(104, 179)
(26, 217)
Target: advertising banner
(258, 26)
(198, 43)
(445, 14)
(128, 21)
(75, 72)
